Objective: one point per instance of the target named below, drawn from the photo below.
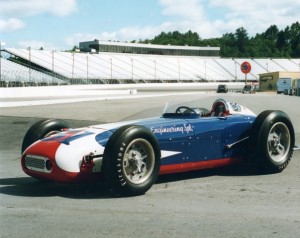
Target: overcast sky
(61, 24)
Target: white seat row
(105, 66)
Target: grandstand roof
(118, 43)
(138, 48)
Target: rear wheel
(272, 141)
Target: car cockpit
(220, 108)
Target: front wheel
(131, 161)
(272, 141)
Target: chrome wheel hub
(279, 142)
(138, 161)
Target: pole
(155, 69)
(52, 66)
(205, 70)
(178, 70)
(235, 72)
(111, 68)
(0, 61)
(132, 69)
(29, 56)
(1, 44)
(87, 69)
(73, 56)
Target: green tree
(75, 47)
(191, 38)
(282, 43)
(229, 45)
(295, 39)
(271, 43)
(270, 36)
(242, 42)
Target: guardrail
(67, 90)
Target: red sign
(246, 67)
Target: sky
(62, 24)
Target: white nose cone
(69, 155)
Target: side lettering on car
(185, 128)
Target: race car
(128, 156)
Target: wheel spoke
(273, 136)
(279, 135)
(270, 145)
(280, 149)
(144, 157)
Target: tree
(271, 43)
(228, 46)
(282, 43)
(295, 39)
(242, 41)
(271, 33)
(75, 48)
(270, 37)
(191, 38)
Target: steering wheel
(185, 110)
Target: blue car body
(190, 139)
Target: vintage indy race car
(130, 155)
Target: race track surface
(228, 202)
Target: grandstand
(38, 67)
(14, 75)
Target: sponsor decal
(66, 138)
(185, 128)
(266, 78)
(76, 137)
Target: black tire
(42, 129)
(126, 172)
(271, 141)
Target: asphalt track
(228, 202)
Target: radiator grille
(36, 163)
